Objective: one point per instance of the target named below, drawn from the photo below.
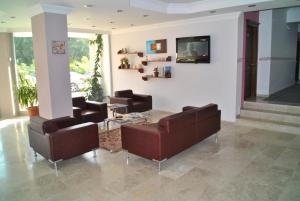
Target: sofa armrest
(142, 97)
(142, 140)
(188, 108)
(64, 122)
(72, 141)
(77, 112)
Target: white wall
(284, 48)
(191, 84)
(276, 52)
(264, 53)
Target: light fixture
(252, 5)
(114, 28)
(132, 25)
(111, 22)
(145, 15)
(212, 11)
(88, 5)
(12, 17)
(94, 26)
(119, 11)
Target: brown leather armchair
(89, 111)
(62, 138)
(134, 102)
(172, 134)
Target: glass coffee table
(134, 117)
(115, 106)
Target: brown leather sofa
(62, 138)
(134, 102)
(89, 111)
(172, 134)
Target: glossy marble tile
(246, 164)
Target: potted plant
(27, 95)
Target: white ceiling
(104, 13)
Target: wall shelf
(140, 70)
(167, 59)
(139, 54)
(147, 77)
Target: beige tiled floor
(247, 165)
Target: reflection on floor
(248, 164)
(290, 95)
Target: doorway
(251, 59)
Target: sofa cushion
(124, 94)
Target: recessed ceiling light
(212, 11)
(251, 6)
(3, 22)
(145, 15)
(88, 5)
(119, 11)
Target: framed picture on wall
(58, 47)
(156, 46)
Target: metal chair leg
(159, 163)
(94, 153)
(216, 137)
(127, 157)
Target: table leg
(107, 126)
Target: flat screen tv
(193, 49)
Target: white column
(52, 67)
(7, 76)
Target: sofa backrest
(42, 125)
(124, 93)
(79, 102)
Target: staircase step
(271, 116)
(269, 125)
(289, 109)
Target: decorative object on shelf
(156, 73)
(156, 46)
(125, 51)
(141, 70)
(145, 77)
(167, 71)
(124, 63)
(159, 59)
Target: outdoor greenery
(78, 53)
(26, 92)
(94, 91)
